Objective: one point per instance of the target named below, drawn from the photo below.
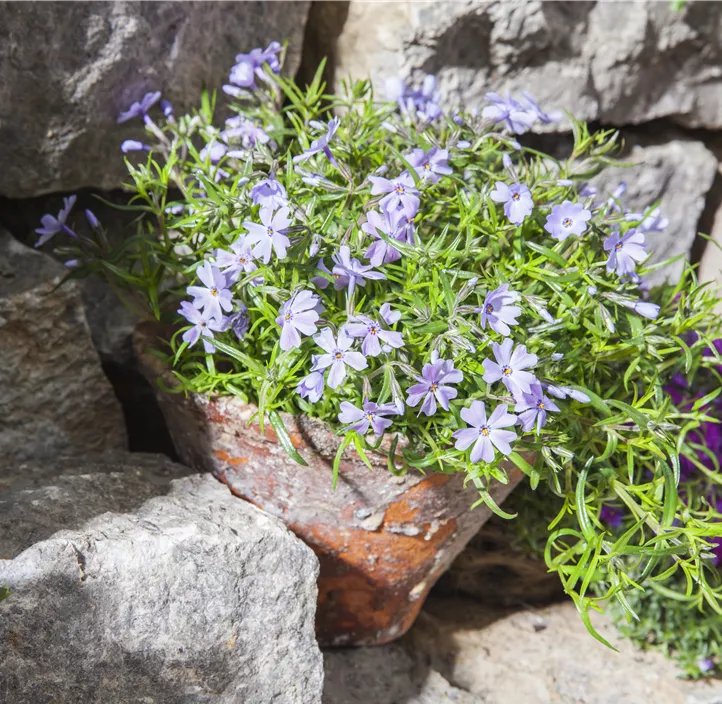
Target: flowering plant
(399, 270)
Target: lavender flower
(213, 151)
(543, 117)
(485, 435)
(516, 198)
(564, 391)
(51, 225)
(350, 272)
(239, 322)
(372, 416)
(390, 316)
(311, 386)
(389, 223)
(567, 219)
(424, 103)
(338, 355)
(498, 310)
(92, 219)
(269, 193)
(514, 115)
(166, 108)
(140, 107)
(532, 408)
(249, 66)
(204, 325)
(625, 252)
(245, 130)
(433, 385)
(430, 165)
(400, 192)
(321, 144)
(643, 308)
(133, 145)
(653, 222)
(509, 367)
(238, 260)
(269, 236)
(297, 315)
(611, 515)
(373, 334)
(215, 296)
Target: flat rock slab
(195, 597)
(54, 397)
(484, 656)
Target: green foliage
(622, 446)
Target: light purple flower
(400, 192)
(373, 335)
(311, 386)
(92, 219)
(431, 165)
(498, 310)
(298, 315)
(424, 103)
(269, 236)
(433, 385)
(564, 391)
(518, 118)
(349, 272)
(653, 222)
(390, 316)
(239, 259)
(249, 66)
(133, 145)
(545, 118)
(483, 434)
(320, 281)
(611, 515)
(140, 107)
(321, 144)
(372, 416)
(244, 130)
(215, 296)
(51, 225)
(567, 219)
(625, 252)
(239, 322)
(213, 151)
(166, 108)
(516, 198)
(532, 408)
(204, 325)
(509, 367)
(338, 355)
(390, 224)
(269, 193)
(644, 308)
(705, 664)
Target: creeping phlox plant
(431, 288)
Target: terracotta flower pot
(382, 541)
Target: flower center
(214, 291)
(400, 190)
(567, 222)
(204, 325)
(242, 260)
(484, 430)
(373, 330)
(338, 354)
(287, 316)
(427, 166)
(506, 370)
(515, 196)
(540, 405)
(489, 308)
(433, 387)
(617, 246)
(269, 230)
(370, 417)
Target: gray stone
(54, 397)
(197, 596)
(37, 500)
(68, 69)
(462, 651)
(678, 174)
(601, 61)
(710, 267)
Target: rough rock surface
(68, 69)
(54, 397)
(710, 268)
(195, 597)
(484, 656)
(600, 62)
(678, 174)
(38, 499)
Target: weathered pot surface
(382, 540)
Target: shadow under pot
(382, 540)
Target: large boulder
(54, 396)
(67, 69)
(617, 64)
(196, 596)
